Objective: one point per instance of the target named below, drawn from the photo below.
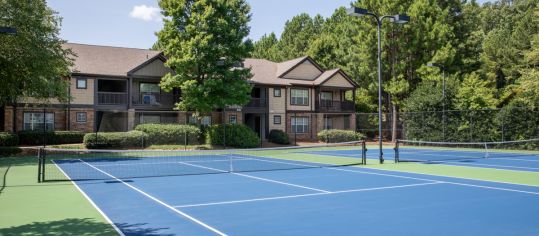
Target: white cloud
(146, 13)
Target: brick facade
(60, 118)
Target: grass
(31, 208)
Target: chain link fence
(485, 125)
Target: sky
(133, 23)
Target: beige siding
(82, 96)
(311, 105)
(156, 68)
(305, 71)
(277, 107)
(338, 81)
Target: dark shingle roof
(107, 60)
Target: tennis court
(228, 193)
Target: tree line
(489, 53)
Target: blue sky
(132, 23)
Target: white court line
(258, 178)
(423, 179)
(91, 201)
(489, 165)
(448, 182)
(159, 201)
(512, 159)
(305, 195)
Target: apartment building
(114, 89)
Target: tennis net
(424, 151)
(70, 164)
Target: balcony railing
(257, 103)
(111, 98)
(327, 105)
(154, 99)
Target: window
(81, 83)
(300, 124)
(192, 120)
(326, 99)
(150, 119)
(81, 117)
(206, 120)
(149, 88)
(299, 97)
(328, 123)
(277, 92)
(232, 119)
(277, 120)
(34, 121)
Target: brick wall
(313, 127)
(60, 118)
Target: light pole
(398, 19)
(441, 67)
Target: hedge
(278, 136)
(337, 135)
(8, 139)
(237, 135)
(9, 151)
(56, 137)
(133, 138)
(170, 133)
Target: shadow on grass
(80, 227)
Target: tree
(33, 62)
(475, 93)
(266, 48)
(203, 41)
(297, 35)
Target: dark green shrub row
(338, 135)
(8, 139)
(170, 133)
(133, 138)
(278, 136)
(56, 137)
(9, 151)
(237, 135)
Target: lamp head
(400, 19)
(8, 30)
(356, 11)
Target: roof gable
(304, 68)
(106, 60)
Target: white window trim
(85, 117)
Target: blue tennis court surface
(314, 201)
(496, 160)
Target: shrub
(278, 136)
(337, 135)
(170, 133)
(133, 138)
(9, 151)
(237, 135)
(8, 139)
(56, 137)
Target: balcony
(111, 98)
(257, 103)
(336, 106)
(155, 99)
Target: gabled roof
(107, 60)
(270, 73)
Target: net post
(396, 151)
(39, 161)
(43, 161)
(363, 152)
